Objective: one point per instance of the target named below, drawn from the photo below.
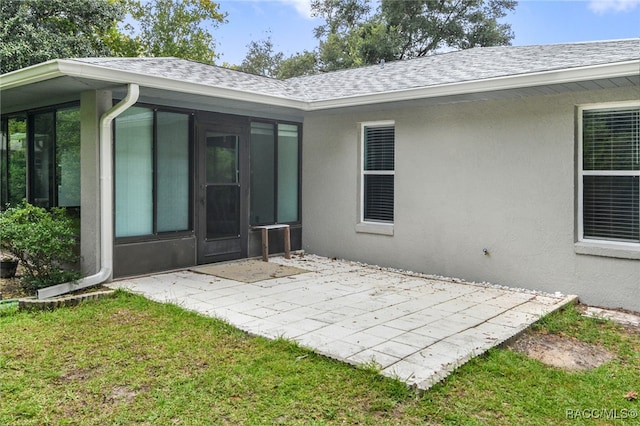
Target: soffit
(68, 89)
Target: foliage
(262, 59)
(425, 26)
(179, 28)
(353, 36)
(42, 241)
(300, 64)
(67, 149)
(17, 160)
(35, 31)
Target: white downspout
(106, 202)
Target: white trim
(69, 68)
(379, 123)
(594, 72)
(379, 172)
(593, 246)
(33, 74)
(375, 228)
(608, 249)
(84, 70)
(611, 173)
(64, 67)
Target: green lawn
(127, 360)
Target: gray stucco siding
(498, 174)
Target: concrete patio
(414, 327)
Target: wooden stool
(265, 240)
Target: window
(67, 186)
(152, 163)
(609, 194)
(42, 149)
(13, 166)
(378, 172)
(42, 137)
(172, 171)
(275, 173)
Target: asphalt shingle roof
(195, 72)
(445, 68)
(465, 65)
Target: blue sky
(533, 22)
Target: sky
(290, 25)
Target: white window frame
(600, 247)
(365, 226)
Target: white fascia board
(597, 72)
(62, 67)
(89, 71)
(33, 74)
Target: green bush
(43, 241)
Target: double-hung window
(609, 187)
(377, 173)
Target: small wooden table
(265, 240)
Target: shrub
(43, 241)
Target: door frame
(216, 250)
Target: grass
(131, 361)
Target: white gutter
(70, 68)
(33, 74)
(492, 84)
(506, 82)
(106, 203)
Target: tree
(34, 31)
(426, 26)
(353, 36)
(304, 63)
(170, 28)
(262, 59)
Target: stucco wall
(495, 174)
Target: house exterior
(512, 165)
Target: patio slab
(415, 327)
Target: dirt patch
(120, 394)
(10, 288)
(77, 375)
(561, 352)
(128, 317)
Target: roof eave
(596, 72)
(62, 67)
(120, 76)
(33, 74)
(69, 68)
